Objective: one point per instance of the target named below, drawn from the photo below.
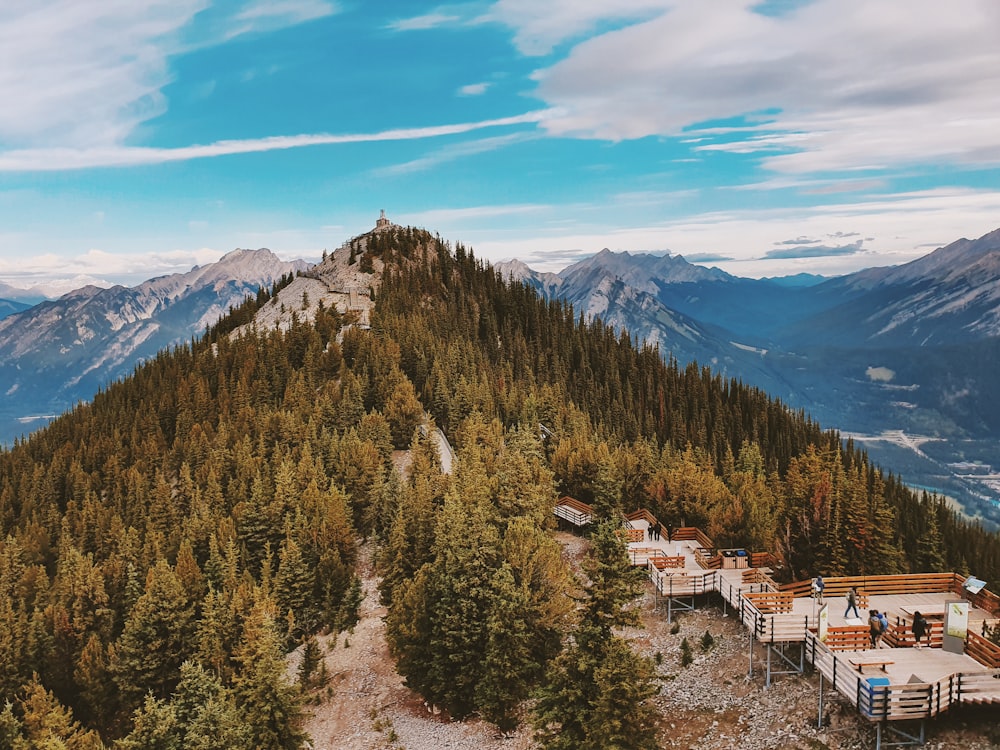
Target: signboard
(956, 619)
(956, 625)
(823, 622)
(974, 585)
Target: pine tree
(155, 727)
(206, 712)
(596, 693)
(270, 703)
(509, 667)
(156, 640)
(49, 724)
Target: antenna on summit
(382, 223)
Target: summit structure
(382, 223)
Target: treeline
(164, 546)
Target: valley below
(964, 471)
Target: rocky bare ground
(712, 704)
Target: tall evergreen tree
(597, 691)
(156, 640)
(269, 701)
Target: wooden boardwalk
(894, 683)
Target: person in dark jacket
(920, 628)
(852, 603)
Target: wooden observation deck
(890, 686)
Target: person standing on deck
(920, 628)
(874, 627)
(852, 603)
(817, 589)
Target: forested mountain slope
(164, 545)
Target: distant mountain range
(910, 351)
(59, 352)
(913, 348)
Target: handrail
(916, 583)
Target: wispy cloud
(451, 216)
(539, 27)
(424, 22)
(474, 89)
(51, 159)
(86, 73)
(707, 258)
(455, 151)
(918, 84)
(294, 11)
(814, 251)
(863, 233)
(95, 266)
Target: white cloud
(474, 89)
(85, 73)
(424, 22)
(95, 266)
(294, 11)
(832, 85)
(459, 216)
(53, 159)
(540, 26)
(453, 152)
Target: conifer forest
(165, 546)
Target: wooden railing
(984, 600)
(770, 602)
(632, 535)
(917, 583)
(693, 534)
(848, 638)
(985, 651)
(756, 575)
(576, 512)
(878, 700)
(640, 556)
(704, 558)
(899, 634)
(683, 584)
(662, 562)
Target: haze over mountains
(61, 351)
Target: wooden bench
(860, 664)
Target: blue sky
(766, 138)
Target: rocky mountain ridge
(59, 352)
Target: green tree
(155, 727)
(156, 640)
(596, 692)
(269, 701)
